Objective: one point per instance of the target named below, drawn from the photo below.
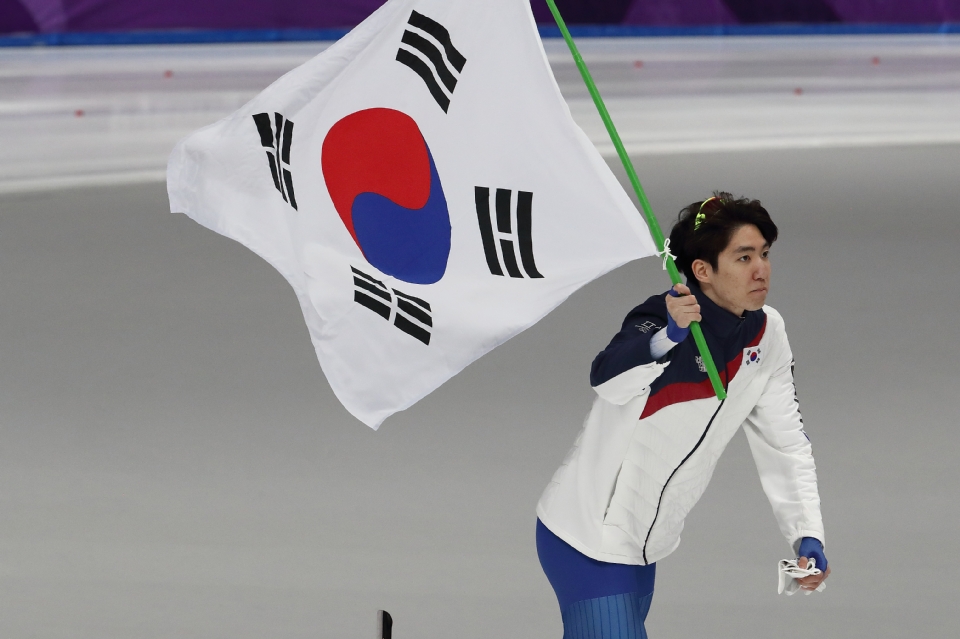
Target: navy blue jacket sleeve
(631, 346)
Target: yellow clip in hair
(701, 216)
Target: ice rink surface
(173, 464)
(105, 115)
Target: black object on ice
(384, 625)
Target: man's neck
(711, 292)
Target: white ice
(172, 464)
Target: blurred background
(173, 463)
(64, 16)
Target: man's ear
(702, 271)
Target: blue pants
(598, 600)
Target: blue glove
(811, 548)
(675, 333)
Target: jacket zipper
(667, 483)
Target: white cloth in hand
(790, 571)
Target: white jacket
(651, 441)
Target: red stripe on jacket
(678, 392)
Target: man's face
(742, 278)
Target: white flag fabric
(422, 187)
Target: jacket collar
(720, 321)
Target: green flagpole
(638, 188)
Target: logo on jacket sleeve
(751, 356)
(646, 327)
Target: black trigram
(509, 236)
(277, 142)
(430, 65)
(410, 314)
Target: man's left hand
(813, 581)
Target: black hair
(720, 217)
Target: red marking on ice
(798, 91)
(168, 73)
(638, 64)
(876, 59)
(78, 113)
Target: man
(649, 445)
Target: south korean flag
(444, 198)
